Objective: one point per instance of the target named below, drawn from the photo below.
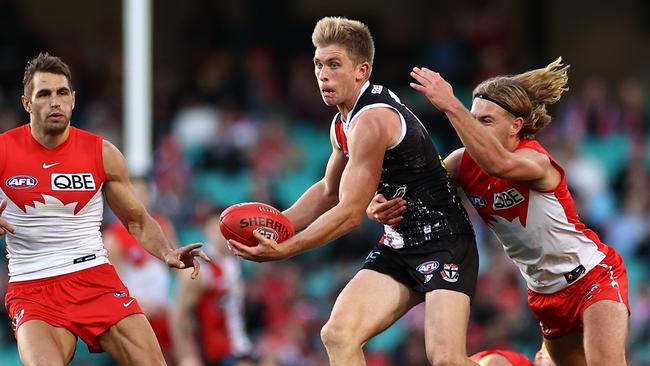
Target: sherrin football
(238, 222)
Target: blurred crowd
(247, 123)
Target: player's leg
(445, 332)
(567, 350)
(368, 304)
(608, 318)
(132, 342)
(42, 344)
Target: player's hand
(5, 227)
(386, 212)
(185, 257)
(434, 87)
(265, 250)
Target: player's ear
(363, 71)
(74, 98)
(516, 126)
(27, 104)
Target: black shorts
(449, 263)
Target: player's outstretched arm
(134, 216)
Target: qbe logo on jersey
(73, 182)
(449, 272)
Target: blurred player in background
(62, 286)
(207, 317)
(577, 286)
(379, 144)
(147, 278)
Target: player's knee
(42, 360)
(602, 357)
(445, 358)
(336, 335)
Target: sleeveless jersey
(413, 170)
(540, 230)
(55, 202)
(220, 310)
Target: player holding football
(61, 284)
(379, 145)
(577, 286)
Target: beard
(55, 128)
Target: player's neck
(49, 140)
(512, 143)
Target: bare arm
(127, 207)
(368, 139)
(521, 165)
(183, 321)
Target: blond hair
(351, 34)
(526, 95)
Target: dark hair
(44, 63)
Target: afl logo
(477, 200)
(268, 232)
(427, 267)
(21, 182)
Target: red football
(238, 222)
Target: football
(238, 222)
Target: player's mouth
(56, 115)
(327, 92)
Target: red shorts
(560, 313)
(87, 302)
(516, 359)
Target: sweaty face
(51, 102)
(498, 120)
(335, 72)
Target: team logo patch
(73, 182)
(268, 232)
(427, 267)
(17, 318)
(21, 182)
(119, 294)
(593, 288)
(372, 256)
(507, 199)
(477, 200)
(450, 272)
(427, 278)
(376, 89)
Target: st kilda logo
(449, 272)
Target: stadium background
(237, 117)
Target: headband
(485, 97)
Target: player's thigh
(567, 350)
(608, 318)
(39, 343)
(447, 316)
(368, 304)
(132, 342)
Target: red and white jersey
(540, 230)
(55, 202)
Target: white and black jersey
(412, 169)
